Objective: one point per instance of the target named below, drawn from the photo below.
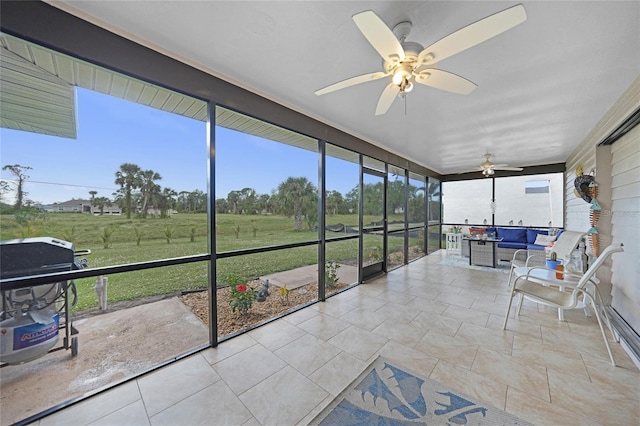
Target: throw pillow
(544, 240)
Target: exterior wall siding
(618, 174)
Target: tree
(19, 172)
(128, 177)
(334, 202)
(264, 204)
(395, 195)
(100, 202)
(148, 188)
(93, 194)
(165, 201)
(233, 198)
(4, 188)
(247, 200)
(294, 196)
(221, 205)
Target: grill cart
(31, 317)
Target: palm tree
(294, 196)
(128, 177)
(148, 187)
(166, 201)
(100, 202)
(19, 172)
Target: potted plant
(553, 261)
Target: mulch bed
(229, 322)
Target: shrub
(241, 298)
(331, 274)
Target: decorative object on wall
(582, 184)
(594, 215)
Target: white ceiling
(542, 86)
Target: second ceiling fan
(407, 62)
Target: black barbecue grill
(31, 315)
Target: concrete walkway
(300, 277)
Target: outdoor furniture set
(522, 242)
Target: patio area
(443, 321)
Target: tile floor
(443, 321)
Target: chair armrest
(515, 253)
(535, 256)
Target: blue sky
(113, 131)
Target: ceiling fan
(488, 168)
(407, 62)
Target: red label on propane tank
(33, 334)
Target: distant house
(71, 206)
(79, 206)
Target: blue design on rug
(387, 395)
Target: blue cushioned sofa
(512, 239)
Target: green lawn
(188, 236)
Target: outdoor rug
(463, 262)
(386, 394)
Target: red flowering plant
(242, 296)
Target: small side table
(454, 243)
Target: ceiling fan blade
(445, 80)
(386, 99)
(351, 82)
(513, 169)
(473, 34)
(379, 35)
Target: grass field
(137, 240)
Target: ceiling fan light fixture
(488, 172)
(428, 58)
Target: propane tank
(28, 335)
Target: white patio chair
(564, 246)
(586, 292)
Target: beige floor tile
(403, 332)
(333, 309)
(175, 382)
(427, 305)
(336, 374)
(591, 399)
(622, 376)
(593, 346)
(133, 414)
(251, 422)
(497, 340)
(363, 318)
(396, 296)
(488, 306)
(271, 403)
(277, 334)
(358, 342)
(317, 409)
(366, 302)
(228, 348)
(466, 315)
(455, 299)
(425, 292)
(307, 354)
(409, 358)
(532, 351)
(452, 350)
(324, 326)
(300, 316)
(469, 383)
(215, 404)
(543, 413)
(504, 369)
(244, 370)
(96, 407)
(398, 312)
(515, 326)
(439, 323)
